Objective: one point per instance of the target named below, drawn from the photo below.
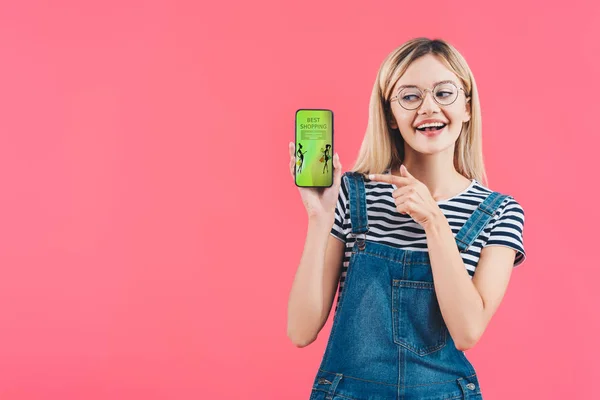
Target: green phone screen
(314, 148)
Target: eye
(409, 95)
(447, 93)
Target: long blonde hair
(383, 147)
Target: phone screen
(314, 148)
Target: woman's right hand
(319, 201)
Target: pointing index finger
(389, 178)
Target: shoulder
(511, 211)
(506, 227)
(510, 214)
(349, 176)
(508, 204)
(353, 175)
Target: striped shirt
(388, 226)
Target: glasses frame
(397, 96)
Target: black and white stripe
(388, 226)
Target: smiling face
(424, 72)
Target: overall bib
(388, 340)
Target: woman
(301, 157)
(422, 250)
(326, 157)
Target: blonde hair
(383, 147)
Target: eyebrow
(434, 84)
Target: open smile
(432, 132)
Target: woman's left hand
(411, 197)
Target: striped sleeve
(507, 229)
(341, 224)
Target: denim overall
(389, 340)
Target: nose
(429, 105)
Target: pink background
(150, 227)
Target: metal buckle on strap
(361, 240)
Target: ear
(468, 110)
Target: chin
(432, 145)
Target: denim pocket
(418, 324)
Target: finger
(404, 171)
(412, 208)
(337, 170)
(389, 178)
(401, 206)
(403, 191)
(291, 149)
(292, 159)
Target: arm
(315, 283)
(467, 305)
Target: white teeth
(436, 124)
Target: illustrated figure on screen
(300, 155)
(325, 157)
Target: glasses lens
(410, 98)
(444, 93)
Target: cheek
(455, 114)
(456, 121)
(405, 125)
(405, 120)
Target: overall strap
(358, 203)
(478, 220)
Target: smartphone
(314, 147)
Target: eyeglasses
(411, 97)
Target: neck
(437, 172)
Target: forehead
(425, 72)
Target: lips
(430, 121)
(432, 133)
(429, 129)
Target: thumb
(337, 170)
(404, 172)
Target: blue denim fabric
(389, 340)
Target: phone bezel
(332, 143)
